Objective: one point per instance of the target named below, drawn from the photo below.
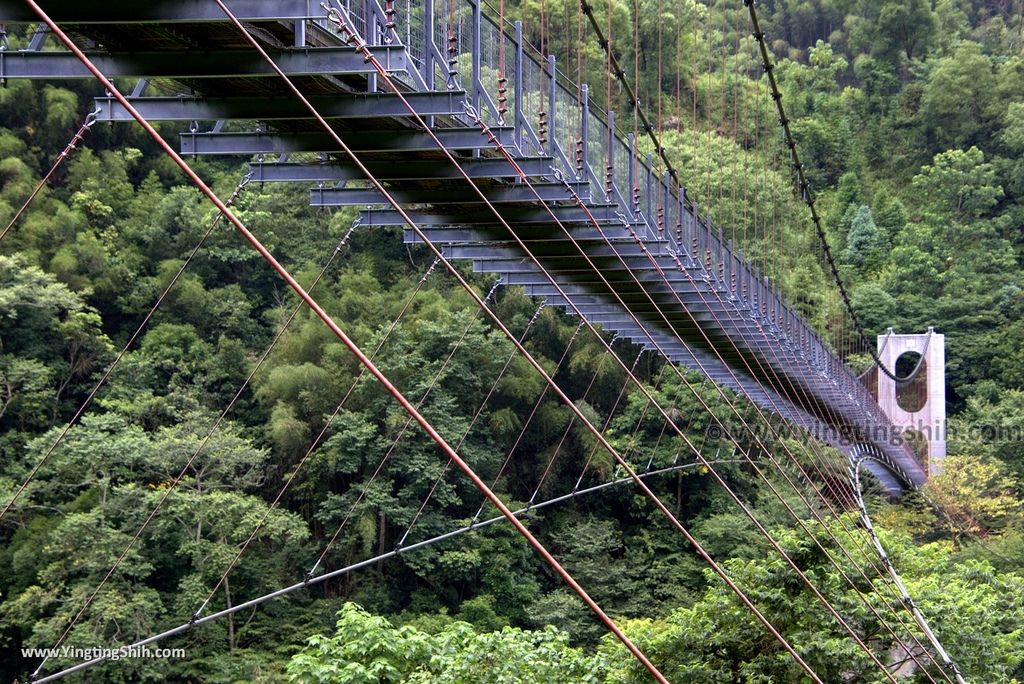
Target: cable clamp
(494, 288)
(952, 667)
(471, 112)
(348, 234)
(430, 270)
(92, 117)
(246, 179)
(333, 14)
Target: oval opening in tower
(911, 381)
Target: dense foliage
(910, 118)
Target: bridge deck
(706, 298)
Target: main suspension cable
(634, 100)
(804, 187)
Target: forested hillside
(909, 116)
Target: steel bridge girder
(471, 236)
(349, 106)
(341, 171)
(160, 11)
(510, 194)
(358, 141)
(514, 216)
(200, 64)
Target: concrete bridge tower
(916, 403)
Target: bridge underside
(664, 278)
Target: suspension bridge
(440, 118)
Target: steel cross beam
(505, 194)
(404, 140)
(694, 303)
(196, 64)
(160, 11)
(516, 216)
(498, 236)
(732, 313)
(614, 269)
(414, 170)
(549, 250)
(587, 280)
(341, 106)
(649, 318)
(791, 405)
